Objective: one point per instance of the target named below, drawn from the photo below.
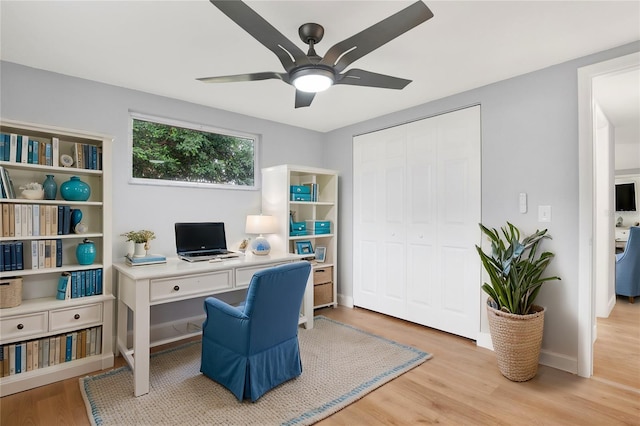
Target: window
(167, 152)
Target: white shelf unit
(276, 201)
(40, 315)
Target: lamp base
(260, 246)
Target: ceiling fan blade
(304, 99)
(264, 32)
(357, 77)
(246, 77)
(355, 47)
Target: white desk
(141, 287)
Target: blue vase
(50, 188)
(86, 252)
(76, 217)
(75, 190)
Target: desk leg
(307, 302)
(121, 332)
(141, 324)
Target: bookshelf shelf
(40, 316)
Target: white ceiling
(161, 47)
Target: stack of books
(150, 259)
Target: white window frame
(199, 127)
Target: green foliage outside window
(167, 152)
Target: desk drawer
(78, 316)
(23, 326)
(178, 288)
(243, 275)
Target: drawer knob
(176, 287)
(20, 326)
(76, 316)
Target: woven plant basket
(517, 340)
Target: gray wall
(529, 144)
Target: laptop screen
(200, 236)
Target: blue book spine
(58, 253)
(67, 354)
(36, 152)
(19, 150)
(74, 284)
(82, 276)
(66, 220)
(47, 154)
(6, 251)
(60, 219)
(4, 138)
(19, 255)
(1, 257)
(30, 152)
(99, 281)
(12, 253)
(18, 358)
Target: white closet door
(417, 207)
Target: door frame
(586, 207)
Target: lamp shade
(260, 224)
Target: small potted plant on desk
(516, 325)
(141, 241)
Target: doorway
(590, 215)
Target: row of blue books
(21, 149)
(74, 284)
(22, 357)
(12, 258)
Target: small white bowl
(33, 194)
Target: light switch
(544, 213)
(522, 202)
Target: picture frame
(304, 247)
(320, 254)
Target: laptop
(200, 241)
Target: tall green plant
(514, 270)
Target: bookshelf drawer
(177, 288)
(20, 327)
(78, 316)
(322, 275)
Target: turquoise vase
(50, 188)
(75, 190)
(76, 217)
(86, 252)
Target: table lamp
(260, 224)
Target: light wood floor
(616, 353)
(461, 385)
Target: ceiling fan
(310, 73)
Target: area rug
(340, 365)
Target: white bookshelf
(40, 315)
(276, 201)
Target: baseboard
(548, 358)
(345, 300)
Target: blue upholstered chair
(254, 347)
(628, 266)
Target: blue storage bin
(300, 197)
(300, 189)
(319, 226)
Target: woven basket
(10, 292)
(517, 340)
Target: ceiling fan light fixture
(312, 80)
